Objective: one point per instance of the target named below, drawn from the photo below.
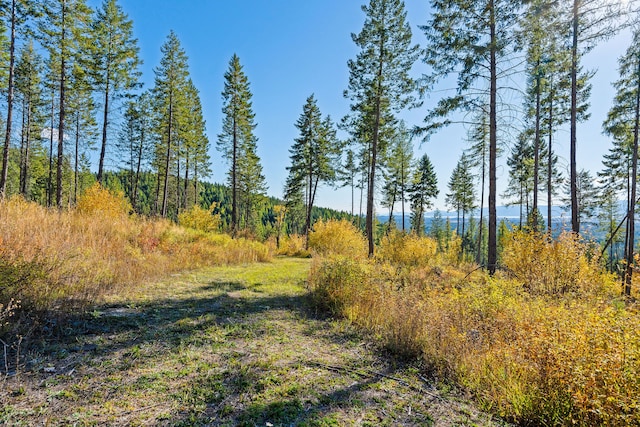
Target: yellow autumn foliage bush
(337, 238)
(65, 260)
(407, 250)
(555, 267)
(558, 348)
(200, 219)
(99, 200)
(293, 246)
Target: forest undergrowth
(547, 341)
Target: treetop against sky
(291, 49)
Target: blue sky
(292, 48)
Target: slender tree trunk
(550, 160)
(361, 196)
(307, 226)
(7, 136)
(185, 202)
(75, 162)
(165, 190)
(196, 198)
(105, 117)
(352, 194)
(178, 189)
(23, 148)
(536, 152)
(462, 235)
(493, 144)
(63, 66)
(632, 206)
(402, 185)
(134, 197)
(575, 221)
(393, 202)
(374, 156)
(522, 202)
(50, 178)
(234, 184)
(484, 163)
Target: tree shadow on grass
(170, 325)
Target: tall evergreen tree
(18, 12)
(82, 122)
(397, 170)
(347, 175)
(379, 82)
(623, 123)
(194, 144)
(114, 62)
(479, 157)
(590, 21)
(237, 141)
(170, 81)
(424, 188)
(587, 196)
(135, 142)
(29, 68)
(520, 175)
(461, 194)
(64, 29)
(470, 39)
(313, 156)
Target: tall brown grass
(65, 260)
(550, 343)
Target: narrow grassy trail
(222, 346)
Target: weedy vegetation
(58, 262)
(547, 341)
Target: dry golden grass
(63, 260)
(548, 345)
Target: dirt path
(223, 346)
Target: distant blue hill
(561, 220)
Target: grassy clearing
(224, 346)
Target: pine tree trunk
(50, 177)
(234, 186)
(75, 163)
(307, 227)
(105, 116)
(550, 161)
(7, 137)
(134, 197)
(536, 153)
(575, 221)
(185, 199)
(493, 143)
(62, 112)
(23, 149)
(479, 254)
(165, 190)
(634, 169)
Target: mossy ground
(222, 346)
